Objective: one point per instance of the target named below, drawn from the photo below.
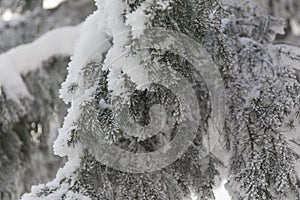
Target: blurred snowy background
(36, 41)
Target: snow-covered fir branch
(114, 99)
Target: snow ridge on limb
(34, 21)
(28, 57)
(92, 30)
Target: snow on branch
(27, 57)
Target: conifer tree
(263, 100)
(108, 89)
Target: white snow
(104, 105)
(27, 57)
(58, 194)
(289, 57)
(75, 196)
(137, 20)
(50, 4)
(95, 34)
(8, 15)
(295, 26)
(117, 59)
(91, 46)
(221, 193)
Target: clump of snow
(60, 193)
(295, 26)
(221, 193)
(91, 47)
(137, 20)
(92, 44)
(8, 15)
(50, 4)
(75, 196)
